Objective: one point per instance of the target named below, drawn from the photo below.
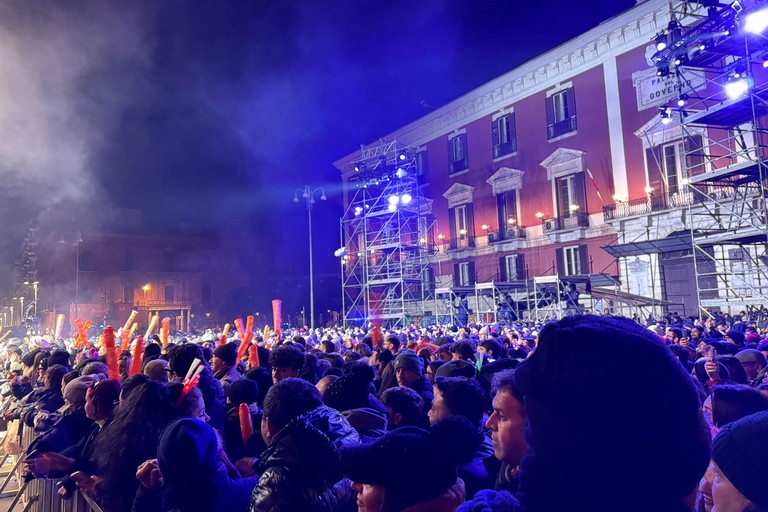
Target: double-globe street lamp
(308, 194)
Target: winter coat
(70, 429)
(369, 423)
(219, 494)
(474, 473)
(449, 501)
(387, 378)
(300, 470)
(227, 376)
(424, 388)
(48, 400)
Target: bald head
(155, 370)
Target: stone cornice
(626, 31)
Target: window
(422, 166)
(457, 152)
(128, 294)
(571, 263)
(504, 136)
(464, 277)
(570, 195)
(170, 293)
(206, 294)
(506, 207)
(510, 263)
(561, 113)
(672, 160)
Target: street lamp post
(76, 243)
(309, 196)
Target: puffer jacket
(369, 423)
(300, 470)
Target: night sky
(214, 112)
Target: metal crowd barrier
(41, 494)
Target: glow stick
(223, 339)
(165, 330)
(253, 356)
(152, 325)
(109, 347)
(125, 334)
(246, 425)
(138, 353)
(239, 327)
(277, 305)
(59, 325)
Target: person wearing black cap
(224, 365)
(739, 485)
(432, 484)
(409, 371)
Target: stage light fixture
(401, 173)
(661, 42)
(682, 100)
(402, 156)
(662, 70)
(666, 114)
(736, 88)
(392, 207)
(393, 200)
(756, 22)
(405, 198)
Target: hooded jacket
(300, 470)
(369, 423)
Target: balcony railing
(511, 233)
(459, 165)
(505, 148)
(561, 127)
(574, 221)
(646, 205)
(462, 242)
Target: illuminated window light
(539, 215)
(648, 190)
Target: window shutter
(512, 129)
(559, 263)
(653, 157)
(471, 266)
(470, 225)
(456, 275)
(464, 148)
(452, 225)
(520, 267)
(694, 155)
(503, 269)
(495, 133)
(579, 192)
(549, 105)
(451, 155)
(501, 210)
(570, 103)
(583, 260)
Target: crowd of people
(588, 413)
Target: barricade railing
(41, 494)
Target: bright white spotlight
(735, 89)
(393, 200)
(756, 22)
(405, 198)
(358, 210)
(402, 156)
(400, 172)
(392, 207)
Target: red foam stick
(223, 339)
(138, 354)
(253, 356)
(243, 347)
(240, 329)
(165, 330)
(246, 425)
(109, 348)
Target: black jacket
(300, 470)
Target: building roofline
(614, 36)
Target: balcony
(457, 244)
(505, 148)
(573, 221)
(511, 233)
(560, 128)
(459, 165)
(646, 205)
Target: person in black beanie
(409, 371)
(224, 365)
(591, 439)
(376, 469)
(739, 484)
(351, 396)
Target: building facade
(540, 172)
(99, 265)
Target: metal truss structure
(388, 239)
(720, 67)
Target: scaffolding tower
(388, 239)
(723, 119)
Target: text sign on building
(653, 90)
